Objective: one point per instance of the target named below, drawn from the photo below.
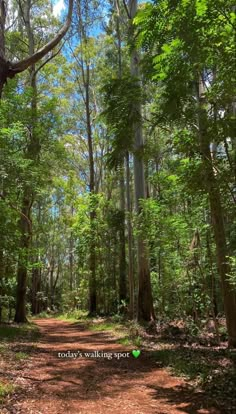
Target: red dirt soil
(53, 385)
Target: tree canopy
(118, 160)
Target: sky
(58, 7)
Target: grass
(5, 390)
(182, 363)
(41, 315)
(13, 341)
(20, 356)
(128, 341)
(10, 333)
(3, 348)
(72, 316)
(104, 326)
(210, 369)
(198, 365)
(125, 332)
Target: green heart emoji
(136, 353)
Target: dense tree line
(118, 159)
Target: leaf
(201, 7)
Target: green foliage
(19, 356)
(181, 41)
(202, 367)
(120, 97)
(5, 389)
(74, 315)
(232, 274)
(9, 333)
(103, 326)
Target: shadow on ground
(93, 379)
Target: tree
(10, 69)
(145, 300)
(189, 62)
(83, 59)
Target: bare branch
(25, 63)
(126, 9)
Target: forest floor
(35, 379)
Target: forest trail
(56, 385)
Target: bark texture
(145, 300)
(32, 153)
(130, 240)
(86, 84)
(25, 241)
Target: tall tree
(145, 299)
(196, 96)
(229, 295)
(122, 247)
(84, 61)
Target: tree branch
(126, 9)
(18, 211)
(25, 63)
(48, 60)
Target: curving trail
(98, 385)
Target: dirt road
(75, 384)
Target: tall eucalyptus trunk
(130, 240)
(86, 85)
(122, 239)
(36, 271)
(92, 247)
(145, 299)
(229, 296)
(32, 153)
(71, 256)
(122, 258)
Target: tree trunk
(71, 256)
(36, 271)
(229, 295)
(214, 303)
(92, 259)
(122, 261)
(25, 231)
(122, 252)
(3, 74)
(145, 300)
(32, 153)
(2, 31)
(3, 63)
(130, 240)
(85, 69)
(51, 284)
(36, 282)
(1, 279)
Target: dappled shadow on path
(101, 385)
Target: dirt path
(98, 385)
